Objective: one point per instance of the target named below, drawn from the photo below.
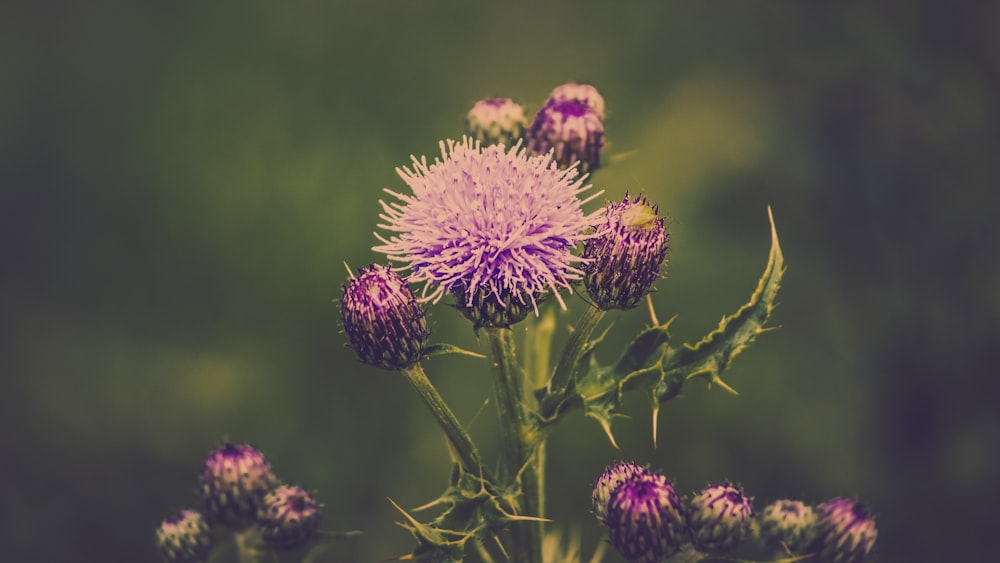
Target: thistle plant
(503, 226)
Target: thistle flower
(788, 524)
(496, 120)
(845, 532)
(289, 517)
(234, 480)
(384, 323)
(184, 537)
(719, 518)
(628, 255)
(606, 484)
(572, 130)
(487, 224)
(582, 93)
(645, 519)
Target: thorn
(723, 384)
(652, 312)
(350, 274)
(656, 414)
(405, 513)
(502, 548)
(607, 430)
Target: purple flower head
(719, 518)
(184, 537)
(581, 93)
(234, 480)
(627, 256)
(496, 120)
(487, 223)
(845, 532)
(645, 519)
(384, 323)
(609, 481)
(289, 517)
(788, 524)
(572, 130)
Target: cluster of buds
(647, 522)
(570, 125)
(239, 491)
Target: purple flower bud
(234, 480)
(719, 518)
(645, 519)
(184, 537)
(384, 323)
(289, 517)
(606, 484)
(496, 120)
(788, 524)
(845, 532)
(572, 130)
(627, 256)
(581, 93)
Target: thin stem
(519, 463)
(460, 440)
(563, 375)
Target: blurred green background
(183, 182)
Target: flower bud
(184, 537)
(289, 517)
(384, 323)
(234, 480)
(845, 532)
(572, 130)
(788, 524)
(626, 256)
(719, 518)
(486, 309)
(496, 120)
(609, 481)
(581, 93)
(645, 519)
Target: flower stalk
(459, 439)
(519, 462)
(562, 377)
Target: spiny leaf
(442, 349)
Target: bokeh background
(182, 184)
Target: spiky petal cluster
(384, 323)
(234, 479)
(606, 484)
(845, 532)
(581, 93)
(788, 524)
(627, 256)
(184, 537)
(572, 130)
(719, 518)
(496, 120)
(645, 519)
(289, 517)
(487, 223)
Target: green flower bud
(184, 537)
(485, 309)
(788, 524)
(719, 518)
(496, 120)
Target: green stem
(460, 440)
(563, 375)
(248, 546)
(518, 444)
